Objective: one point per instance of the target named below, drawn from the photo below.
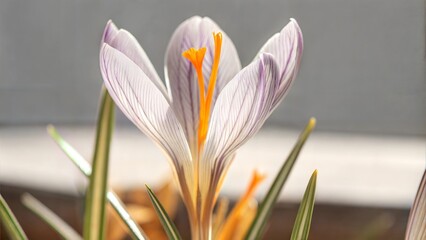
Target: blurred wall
(363, 68)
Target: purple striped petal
(109, 32)
(181, 79)
(127, 44)
(144, 104)
(240, 111)
(287, 48)
(416, 227)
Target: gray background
(363, 68)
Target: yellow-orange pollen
(196, 57)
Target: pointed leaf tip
(51, 130)
(168, 225)
(312, 122)
(95, 214)
(86, 169)
(265, 208)
(302, 224)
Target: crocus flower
(210, 106)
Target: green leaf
(257, 227)
(49, 217)
(304, 215)
(167, 223)
(9, 221)
(416, 227)
(69, 150)
(95, 213)
(119, 207)
(86, 169)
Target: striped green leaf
(13, 229)
(302, 224)
(49, 217)
(95, 213)
(82, 164)
(70, 151)
(167, 223)
(416, 228)
(265, 208)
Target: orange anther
(196, 56)
(212, 84)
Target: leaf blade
(13, 228)
(265, 208)
(416, 227)
(49, 217)
(302, 223)
(95, 214)
(168, 225)
(135, 231)
(83, 165)
(69, 150)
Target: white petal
(181, 79)
(127, 44)
(287, 47)
(240, 111)
(144, 104)
(109, 32)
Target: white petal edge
(287, 48)
(126, 43)
(240, 111)
(109, 32)
(144, 104)
(181, 80)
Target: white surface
(353, 169)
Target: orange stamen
(256, 179)
(210, 91)
(196, 58)
(233, 218)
